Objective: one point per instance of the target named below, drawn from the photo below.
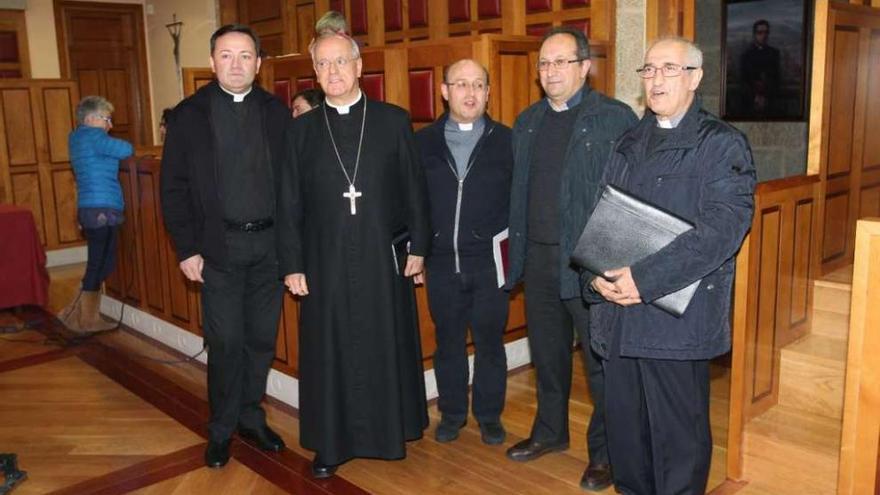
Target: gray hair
(92, 104)
(355, 49)
(330, 23)
(693, 55)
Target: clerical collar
(346, 108)
(670, 123)
(236, 97)
(571, 103)
(464, 127)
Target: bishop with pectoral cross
(359, 341)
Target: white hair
(355, 49)
(693, 54)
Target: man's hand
(296, 284)
(192, 268)
(415, 267)
(618, 287)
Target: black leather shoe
(597, 477)
(447, 430)
(264, 438)
(321, 470)
(492, 433)
(217, 454)
(527, 450)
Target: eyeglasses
(105, 118)
(558, 64)
(462, 85)
(340, 62)
(668, 70)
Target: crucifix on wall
(174, 29)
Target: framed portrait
(765, 52)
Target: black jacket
(703, 173)
(600, 121)
(190, 195)
(463, 225)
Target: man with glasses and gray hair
(560, 144)
(352, 191)
(688, 162)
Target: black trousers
(241, 304)
(551, 324)
(101, 261)
(459, 301)
(660, 440)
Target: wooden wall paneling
(669, 18)
(305, 26)
(150, 225)
(287, 340)
(194, 78)
(20, 127)
(393, 15)
(417, 13)
(744, 287)
(37, 116)
(438, 18)
(488, 9)
(858, 471)
(15, 60)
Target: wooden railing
(860, 438)
(772, 298)
(147, 275)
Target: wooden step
(830, 324)
(831, 296)
(812, 375)
(788, 450)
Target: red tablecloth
(23, 276)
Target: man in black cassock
(223, 153)
(352, 183)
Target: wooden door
(849, 151)
(35, 118)
(102, 46)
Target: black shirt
(246, 191)
(545, 175)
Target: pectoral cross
(352, 196)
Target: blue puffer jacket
(95, 157)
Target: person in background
(94, 156)
(332, 22)
(306, 100)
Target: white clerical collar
(465, 126)
(346, 108)
(236, 97)
(670, 122)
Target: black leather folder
(623, 230)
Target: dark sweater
(545, 174)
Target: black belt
(252, 226)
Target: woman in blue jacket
(95, 156)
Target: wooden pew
(860, 437)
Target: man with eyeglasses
(352, 190)
(686, 161)
(224, 149)
(560, 144)
(468, 162)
